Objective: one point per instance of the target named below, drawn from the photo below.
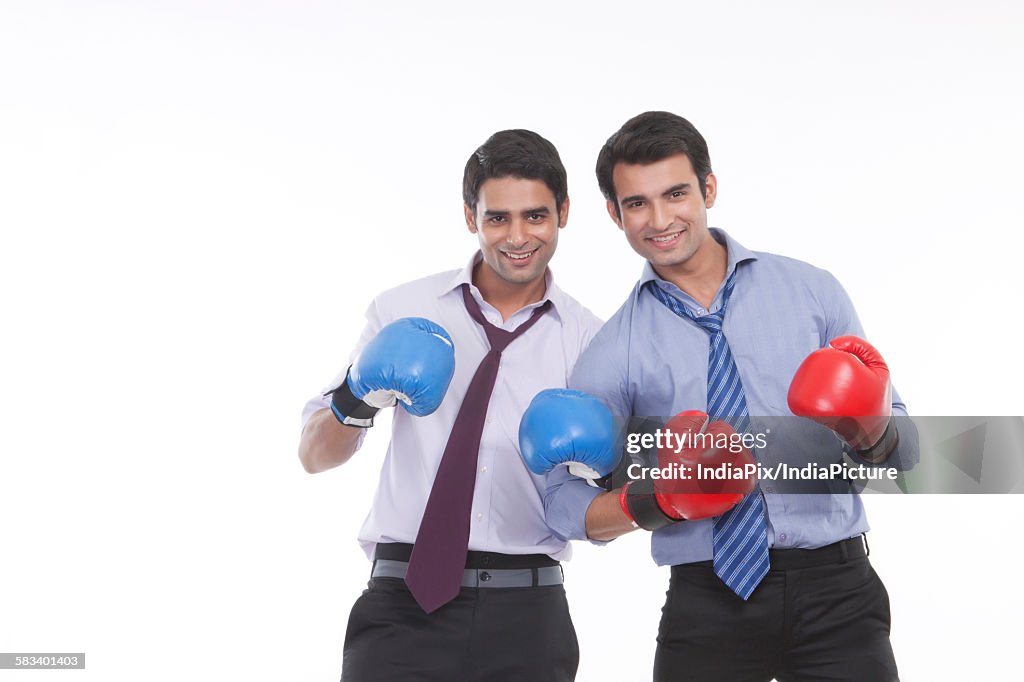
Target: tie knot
(497, 337)
(711, 323)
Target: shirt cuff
(567, 501)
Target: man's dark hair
(518, 154)
(648, 138)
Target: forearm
(605, 519)
(326, 443)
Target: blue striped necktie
(740, 536)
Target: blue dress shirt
(648, 361)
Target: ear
(613, 213)
(710, 190)
(563, 213)
(470, 218)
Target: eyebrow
(529, 211)
(676, 188)
(640, 197)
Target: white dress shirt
(508, 501)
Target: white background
(199, 199)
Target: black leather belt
(836, 553)
(483, 569)
(401, 551)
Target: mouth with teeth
(665, 241)
(519, 259)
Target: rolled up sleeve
(566, 500)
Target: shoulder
(577, 315)
(614, 334)
(414, 294)
(603, 367)
(800, 284)
(791, 273)
(790, 267)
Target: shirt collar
(736, 253)
(465, 276)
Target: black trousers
(492, 634)
(822, 622)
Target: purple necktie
(439, 554)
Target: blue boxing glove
(411, 361)
(562, 426)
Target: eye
(635, 204)
(536, 217)
(496, 219)
(678, 193)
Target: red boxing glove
(705, 447)
(702, 447)
(846, 388)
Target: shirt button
(701, 311)
(485, 576)
(483, 470)
(479, 516)
(770, 489)
(782, 536)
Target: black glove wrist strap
(643, 506)
(881, 450)
(350, 410)
(608, 481)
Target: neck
(507, 297)
(701, 274)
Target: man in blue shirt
(808, 605)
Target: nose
(661, 216)
(517, 236)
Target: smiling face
(517, 223)
(663, 214)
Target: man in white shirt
(513, 333)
